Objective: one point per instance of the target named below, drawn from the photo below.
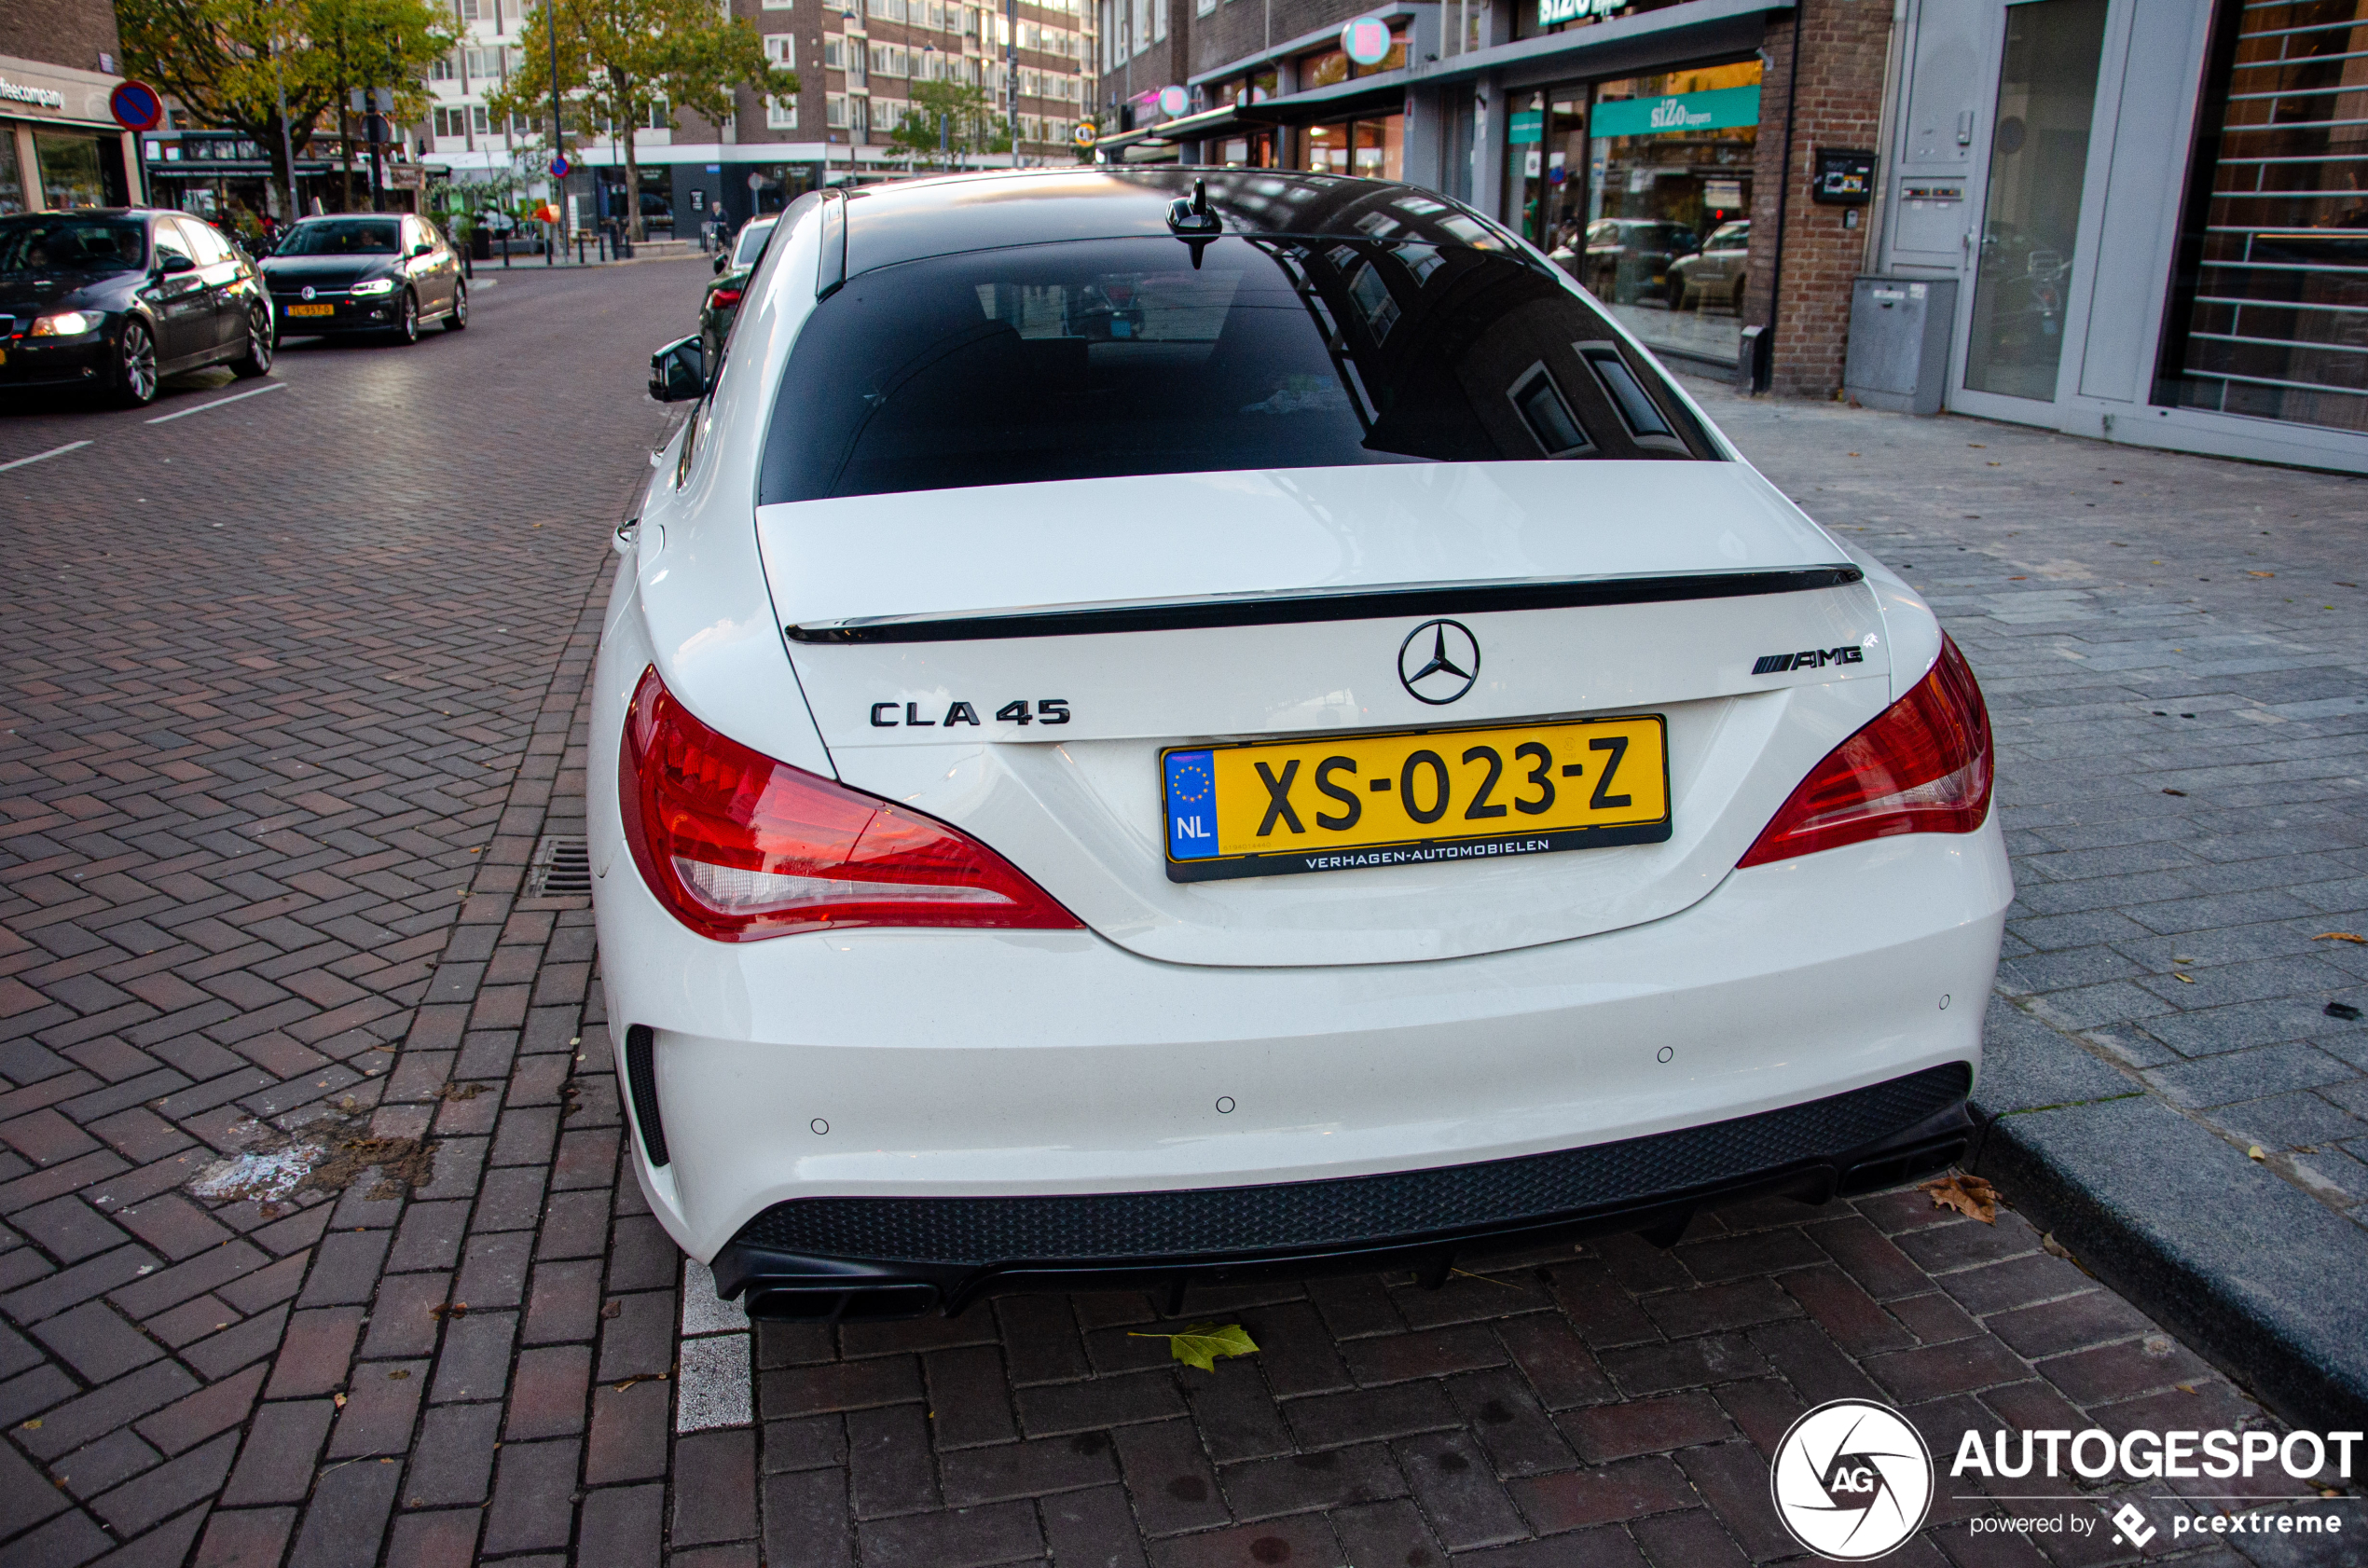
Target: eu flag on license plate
(1191, 806)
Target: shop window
(2268, 310)
(1620, 183)
(76, 171)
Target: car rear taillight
(739, 847)
(723, 296)
(1922, 767)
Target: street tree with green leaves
(227, 63)
(948, 118)
(627, 63)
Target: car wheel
(257, 361)
(135, 366)
(406, 330)
(457, 320)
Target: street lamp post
(559, 155)
(287, 143)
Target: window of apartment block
(834, 111)
(444, 68)
(889, 60)
(780, 114)
(888, 10)
(479, 121)
(781, 49)
(778, 4)
(473, 10)
(1159, 20)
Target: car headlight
(369, 286)
(65, 324)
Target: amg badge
(1809, 658)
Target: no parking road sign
(136, 105)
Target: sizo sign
(1550, 12)
(1717, 109)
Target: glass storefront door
(2030, 216)
(1545, 169)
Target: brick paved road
(293, 692)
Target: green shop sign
(1715, 110)
(1525, 124)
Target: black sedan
(368, 272)
(114, 299)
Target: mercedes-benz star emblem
(1438, 661)
(308, 291)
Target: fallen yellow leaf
(1201, 1343)
(2255, 1153)
(2340, 936)
(1969, 1195)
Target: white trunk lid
(1185, 609)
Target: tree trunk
(632, 172)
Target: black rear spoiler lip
(1359, 604)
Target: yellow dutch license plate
(312, 310)
(1270, 808)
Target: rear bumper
(829, 1258)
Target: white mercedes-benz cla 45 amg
(1172, 725)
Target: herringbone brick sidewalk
(278, 753)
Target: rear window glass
(1096, 358)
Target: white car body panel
(1361, 1021)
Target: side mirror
(678, 372)
(175, 262)
(719, 259)
(422, 248)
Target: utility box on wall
(1899, 331)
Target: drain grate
(561, 869)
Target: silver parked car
(1715, 274)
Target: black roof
(907, 220)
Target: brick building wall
(1244, 27)
(71, 33)
(1843, 45)
(1163, 63)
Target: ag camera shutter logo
(1852, 1481)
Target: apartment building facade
(857, 62)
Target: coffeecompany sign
(39, 97)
